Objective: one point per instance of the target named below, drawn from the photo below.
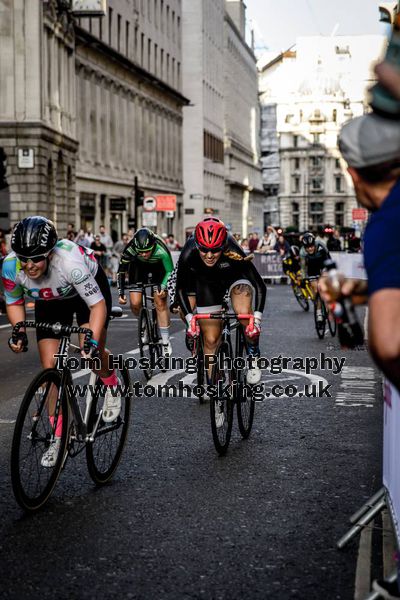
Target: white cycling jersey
(72, 269)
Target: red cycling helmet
(210, 234)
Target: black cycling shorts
(210, 294)
(63, 310)
(314, 267)
(139, 274)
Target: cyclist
(147, 254)
(65, 280)
(313, 254)
(212, 263)
(291, 262)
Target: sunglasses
(207, 250)
(34, 259)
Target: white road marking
(357, 387)
(7, 421)
(4, 326)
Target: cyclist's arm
(303, 267)
(181, 296)
(166, 259)
(123, 268)
(97, 319)
(15, 313)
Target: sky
(279, 22)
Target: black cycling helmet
(295, 251)
(144, 240)
(308, 240)
(34, 236)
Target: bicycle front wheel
(245, 404)
(301, 299)
(221, 403)
(32, 482)
(104, 451)
(145, 342)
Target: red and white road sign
(166, 202)
(149, 203)
(359, 214)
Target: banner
(391, 452)
(269, 264)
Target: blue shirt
(382, 244)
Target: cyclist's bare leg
(136, 302)
(161, 305)
(241, 298)
(211, 330)
(48, 347)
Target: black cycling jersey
(209, 284)
(312, 264)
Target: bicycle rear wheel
(200, 375)
(221, 406)
(145, 341)
(33, 483)
(319, 323)
(245, 404)
(301, 299)
(104, 452)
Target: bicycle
(149, 338)
(225, 376)
(301, 294)
(52, 391)
(326, 315)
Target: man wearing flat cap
(371, 147)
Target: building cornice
(244, 43)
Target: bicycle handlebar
(56, 328)
(220, 315)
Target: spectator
(116, 255)
(3, 245)
(107, 241)
(389, 77)
(245, 244)
(80, 236)
(268, 242)
(71, 236)
(70, 229)
(171, 242)
(88, 238)
(334, 243)
(253, 242)
(99, 249)
(282, 246)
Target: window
(296, 215)
(297, 164)
(173, 25)
(295, 184)
(338, 184)
(213, 147)
(301, 115)
(334, 115)
(119, 33)
(167, 77)
(142, 50)
(155, 59)
(127, 39)
(316, 138)
(337, 163)
(162, 64)
(101, 28)
(110, 19)
(162, 15)
(295, 141)
(316, 161)
(316, 185)
(167, 20)
(317, 213)
(149, 55)
(339, 214)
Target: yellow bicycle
(303, 293)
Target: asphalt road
(179, 522)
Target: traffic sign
(359, 214)
(149, 203)
(169, 214)
(149, 219)
(166, 202)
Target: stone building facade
(312, 89)
(221, 125)
(94, 102)
(38, 143)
